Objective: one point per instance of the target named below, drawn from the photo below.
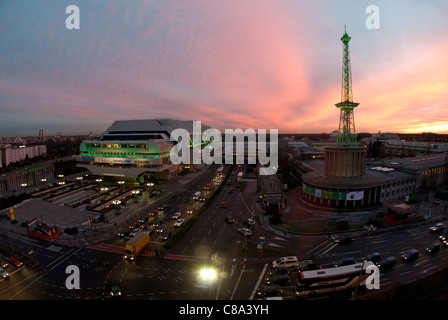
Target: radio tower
(346, 133)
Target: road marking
(238, 281)
(331, 247)
(258, 282)
(220, 281)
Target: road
(175, 274)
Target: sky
(260, 64)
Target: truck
(136, 245)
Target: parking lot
(97, 210)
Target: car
(345, 240)
(123, 232)
(281, 280)
(345, 262)
(179, 223)
(3, 264)
(223, 205)
(133, 226)
(433, 248)
(387, 262)
(3, 273)
(269, 291)
(373, 257)
(161, 228)
(190, 211)
(410, 255)
(443, 237)
(134, 232)
(278, 271)
(249, 222)
(230, 190)
(437, 227)
(115, 288)
(143, 219)
(229, 219)
(166, 235)
(163, 207)
(153, 213)
(150, 227)
(15, 262)
(245, 232)
(176, 216)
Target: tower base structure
(345, 162)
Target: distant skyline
(268, 64)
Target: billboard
(333, 195)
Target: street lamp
(207, 274)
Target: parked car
(3, 273)
(269, 291)
(410, 255)
(15, 262)
(281, 280)
(3, 264)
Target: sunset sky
(261, 64)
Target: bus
(322, 281)
(240, 177)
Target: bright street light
(208, 274)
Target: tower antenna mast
(346, 134)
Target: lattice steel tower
(346, 133)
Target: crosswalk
(119, 250)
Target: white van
(196, 195)
(286, 262)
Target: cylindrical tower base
(345, 162)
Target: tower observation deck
(346, 134)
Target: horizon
(274, 66)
